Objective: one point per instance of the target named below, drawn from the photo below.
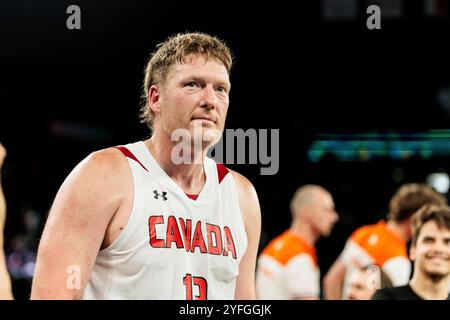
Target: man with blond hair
(157, 219)
(5, 280)
(287, 268)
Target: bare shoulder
(103, 174)
(91, 194)
(105, 159)
(105, 165)
(248, 198)
(244, 185)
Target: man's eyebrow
(189, 78)
(200, 79)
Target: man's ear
(154, 98)
(301, 213)
(412, 252)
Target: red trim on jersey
(127, 153)
(222, 171)
(192, 196)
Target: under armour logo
(157, 195)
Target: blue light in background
(373, 145)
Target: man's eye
(221, 89)
(192, 84)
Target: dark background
(65, 93)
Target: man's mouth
(204, 119)
(438, 259)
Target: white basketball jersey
(287, 269)
(173, 246)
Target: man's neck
(398, 229)
(190, 177)
(429, 289)
(304, 231)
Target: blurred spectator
(5, 280)
(287, 268)
(430, 251)
(383, 244)
(22, 258)
(366, 281)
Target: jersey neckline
(154, 168)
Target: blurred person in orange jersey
(383, 244)
(287, 268)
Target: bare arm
(2, 196)
(76, 226)
(306, 298)
(251, 212)
(333, 281)
(5, 280)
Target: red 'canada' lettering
(214, 230)
(186, 229)
(173, 234)
(229, 246)
(197, 239)
(219, 241)
(152, 222)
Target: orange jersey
(287, 268)
(376, 244)
(379, 242)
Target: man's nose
(209, 98)
(439, 247)
(335, 216)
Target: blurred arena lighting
(21, 264)
(346, 10)
(78, 131)
(436, 8)
(389, 8)
(340, 9)
(439, 181)
(369, 146)
(444, 98)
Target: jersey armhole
(123, 234)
